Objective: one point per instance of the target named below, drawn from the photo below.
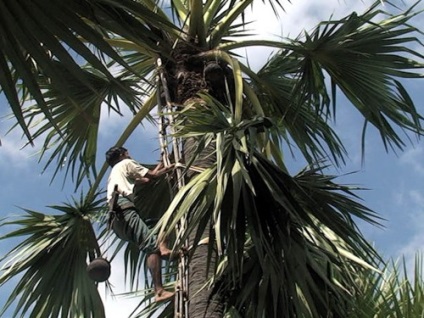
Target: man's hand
(169, 168)
(160, 170)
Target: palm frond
(28, 47)
(234, 10)
(287, 245)
(300, 123)
(36, 34)
(391, 292)
(297, 233)
(160, 191)
(365, 60)
(52, 260)
(76, 116)
(221, 17)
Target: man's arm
(159, 170)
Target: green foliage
(51, 262)
(285, 242)
(395, 292)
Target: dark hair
(113, 155)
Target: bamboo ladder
(167, 120)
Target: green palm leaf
(395, 291)
(76, 117)
(52, 260)
(365, 61)
(37, 33)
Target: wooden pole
(168, 120)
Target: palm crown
(279, 245)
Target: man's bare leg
(154, 265)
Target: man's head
(115, 154)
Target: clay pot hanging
(99, 269)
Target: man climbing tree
(125, 220)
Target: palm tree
(278, 245)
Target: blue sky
(395, 181)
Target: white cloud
(413, 158)
(11, 150)
(411, 208)
(113, 125)
(414, 247)
(417, 198)
(299, 16)
(399, 196)
(293, 20)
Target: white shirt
(124, 174)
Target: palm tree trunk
(204, 302)
(186, 77)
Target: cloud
(410, 212)
(113, 125)
(302, 15)
(410, 251)
(12, 151)
(412, 158)
(292, 20)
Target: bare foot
(166, 253)
(163, 295)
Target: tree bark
(204, 302)
(186, 77)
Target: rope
(167, 120)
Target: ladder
(167, 120)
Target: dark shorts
(131, 227)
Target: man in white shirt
(127, 222)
